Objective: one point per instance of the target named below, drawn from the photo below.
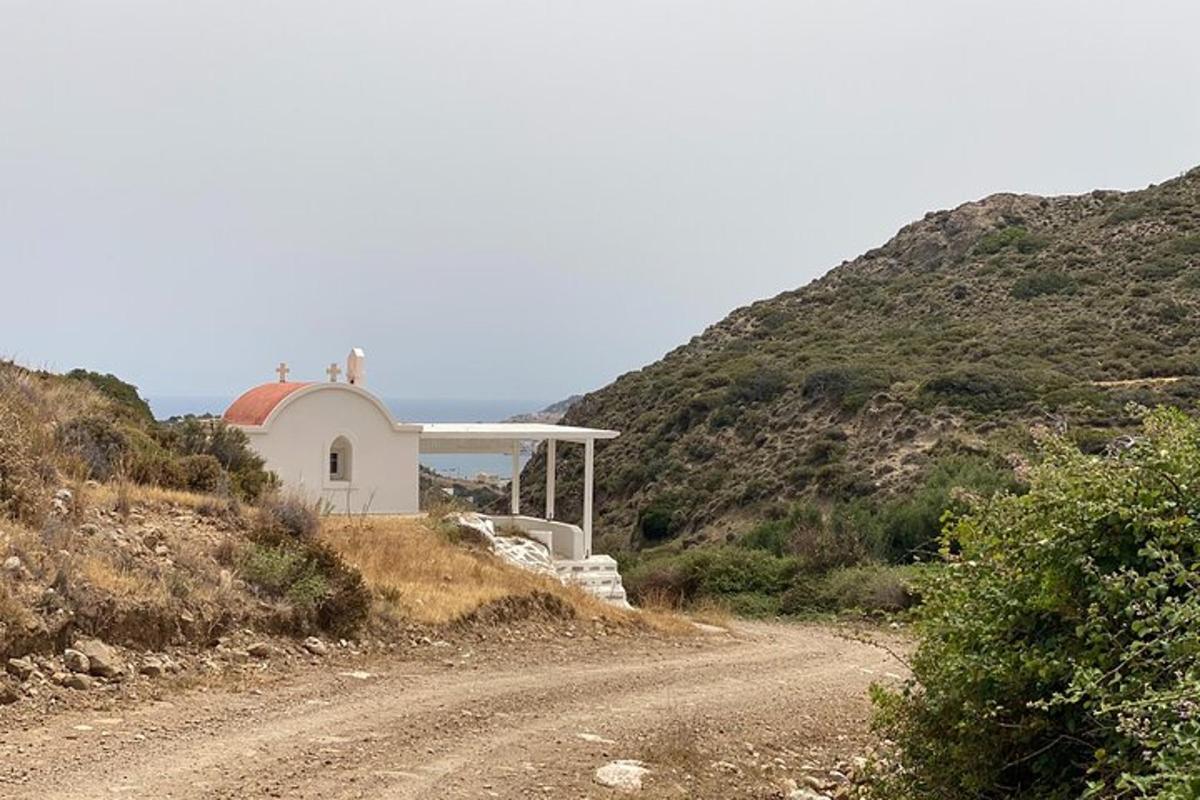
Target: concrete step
(597, 576)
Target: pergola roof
(499, 437)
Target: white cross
(283, 371)
(333, 372)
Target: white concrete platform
(540, 546)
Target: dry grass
(421, 576)
(711, 612)
(686, 762)
(103, 574)
(116, 493)
(708, 611)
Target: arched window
(340, 459)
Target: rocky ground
(767, 711)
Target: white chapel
(335, 441)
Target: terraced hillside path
(742, 711)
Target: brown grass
(114, 493)
(103, 574)
(418, 574)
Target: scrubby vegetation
(1060, 649)
(149, 534)
(952, 338)
(85, 426)
(872, 396)
(854, 555)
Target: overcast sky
(521, 199)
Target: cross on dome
(282, 370)
(333, 372)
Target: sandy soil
(732, 715)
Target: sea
(404, 409)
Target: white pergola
(506, 437)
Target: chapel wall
(383, 462)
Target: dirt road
(741, 712)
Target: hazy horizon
(521, 199)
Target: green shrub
(775, 536)
(718, 573)
(815, 543)
(871, 589)
(978, 391)
(1060, 653)
(1015, 236)
(1038, 284)
(201, 473)
(248, 478)
(910, 526)
(849, 387)
(323, 590)
(1127, 213)
(124, 394)
(1187, 245)
(756, 383)
(659, 519)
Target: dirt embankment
(727, 716)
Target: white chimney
(356, 366)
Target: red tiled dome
(254, 406)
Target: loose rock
(315, 646)
(806, 794)
(22, 668)
(153, 667)
(102, 659)
(79, 681)
(76, 661)
(260, 650)
(624, 775)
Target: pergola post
(550, 478)
(589, 453)
(516, 478)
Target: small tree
(1060, 650)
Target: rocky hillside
(944, 343)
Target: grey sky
(522, 199)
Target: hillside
(922, 360)
(159, 549)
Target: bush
(201, 473)
(850, 387)
(1038, 284)
(872, 589)
(1015, 236)
(659, 519)
(124, 394)
(323, 590)
(978, 391)
(775, 536)
(98, 444)
(289, 515)
(248, 477)
(717, 573)
(1060, 654)
(755, 383)
(910, 526)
